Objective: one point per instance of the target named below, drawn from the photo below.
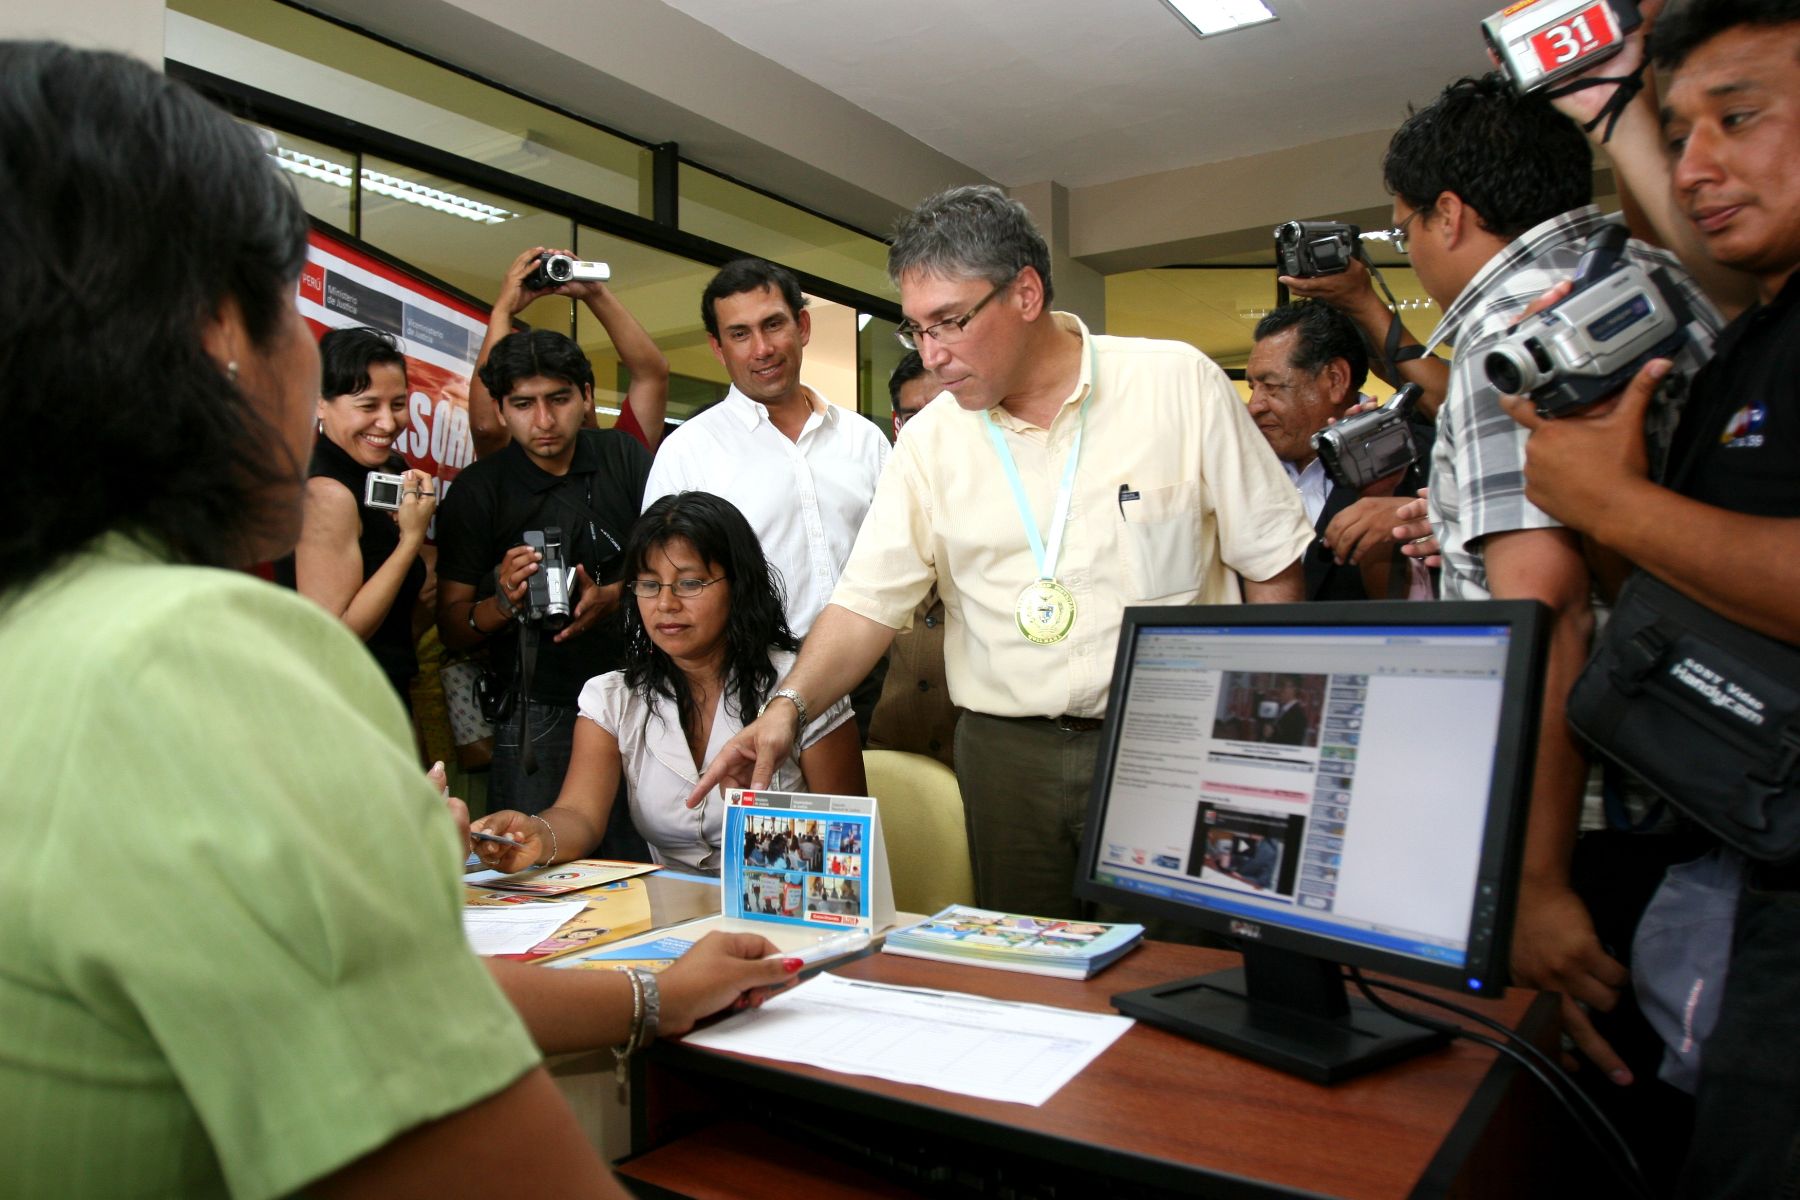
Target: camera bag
(1703, 710)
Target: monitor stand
(1287, 1010)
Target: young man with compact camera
(1722, 525)
(1485, 242)
(553, 474)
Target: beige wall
(132, 27)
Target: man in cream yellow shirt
(1076, 474)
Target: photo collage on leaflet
(805, 865)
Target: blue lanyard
(1046, 559)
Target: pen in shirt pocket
(1125, 493)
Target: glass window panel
(293, 54)
(320, 174)
(714, 207)
(663, 292)
(450, 230)
(879, 354)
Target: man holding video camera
(1493, 189)
(1721, 527)
(1305, 371)
(556, 476)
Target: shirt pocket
(1159, 539)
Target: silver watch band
(793, 697)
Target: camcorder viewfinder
(1306, 249)
(1371, 445)
(547, 592)
(1540, 43)
(1588, 345)
(554, 270)
(382, 490)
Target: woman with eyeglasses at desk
(705, 643)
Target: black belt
(1066, 723)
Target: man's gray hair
(973, 232)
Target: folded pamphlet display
(808, 872)
(794, 858)
(978, 937)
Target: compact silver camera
(1540, 43)
(1306, 249)
(548, 591)
(383, 490)
(1589, 345)
(554, 270)
(1370, 445)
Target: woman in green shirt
(202, 995)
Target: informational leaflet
(514, 930)
(802, 859)
(970, 1045)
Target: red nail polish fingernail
(790, 965)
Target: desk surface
(675, 898)
(1166, 1111)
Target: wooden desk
(1154, 1115)
(586, 1079)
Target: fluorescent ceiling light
(324, 170)
(1208, 17)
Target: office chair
(922, 824)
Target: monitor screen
(1342, 781)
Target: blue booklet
(1011, 942)
(653, 955)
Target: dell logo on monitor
(1246, 929)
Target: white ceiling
(1090, 91)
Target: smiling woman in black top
(365, 565)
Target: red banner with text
(439, 334)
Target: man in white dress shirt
(801, 470)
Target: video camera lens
(1514, 368)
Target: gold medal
(1045, 612)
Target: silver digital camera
(554, 270)
(548, 591)
(1370, 445)
(383, 490)
(1305, 249)
(1589, 345)
(1540, 43)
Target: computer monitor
(1329, 784)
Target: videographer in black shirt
(589, 483)
(1724, 525)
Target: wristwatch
(792, 696)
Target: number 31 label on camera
(1575, 37)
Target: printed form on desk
(994, 1049)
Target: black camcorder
(548, 591)
(1589, 344)
(1371, 445)
(1308, 248)
(554, 270)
